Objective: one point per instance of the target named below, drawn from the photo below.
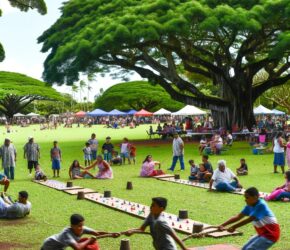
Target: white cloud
(7, 8)
(12, 65)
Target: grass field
(52, 209)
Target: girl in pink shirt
(281, 189)
(148, 167)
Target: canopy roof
(81, 114)
(116, 112)
(18, 115)
(143, 112)
(278, 112)
(162, 112)
(131, 112)
(261, 110)
(97, 112)
(189, 110)
(32, 114)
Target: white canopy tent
(278, 112)
(261, 110)
(189, 110)
(162, 112)
(32, 114)
(18, 115)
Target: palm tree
(82, 85)
(74, 89)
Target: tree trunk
(240, 110)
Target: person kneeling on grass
(76, 173)
(39, 174)
(163, 235)
(222, 179)
(262, 218)
(4, 181)
(71, 236)
(105, 170)
(11, 210)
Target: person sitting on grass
(39, 174)
(263, 219)
(71, 236)
(163, 235)
(193, 170)
(11, 210)
(4, 181)
(222, 179)
(243, 169)
(148, 165)
(116, 160)
(279, 190)
(76, 173)
(208, 168)
(201, 174)
(105, 170)
(202, 144)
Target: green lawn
(52, 209)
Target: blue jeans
(94, 155)
(108, 157)
(174, 161)
(283, 195)
(226, 187)
(258, 243)
(9, 172)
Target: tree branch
(260, 89)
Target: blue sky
(18, 34)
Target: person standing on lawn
(31, 153)
(178, 152)
(278, 149)
(94, 146)
(8, 155)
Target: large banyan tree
(226, 43)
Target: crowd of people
(221, 179)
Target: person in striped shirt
(263, 219)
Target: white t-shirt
(124, 148)
(277, 148)
(229, 137)
(177, 142)
(226, 176)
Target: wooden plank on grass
(142, 211)
(75, 191)
(58, 185)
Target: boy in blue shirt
(263, 219)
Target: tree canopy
(226, 42)
(24, 5)
(18, 90)
(136, 95)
